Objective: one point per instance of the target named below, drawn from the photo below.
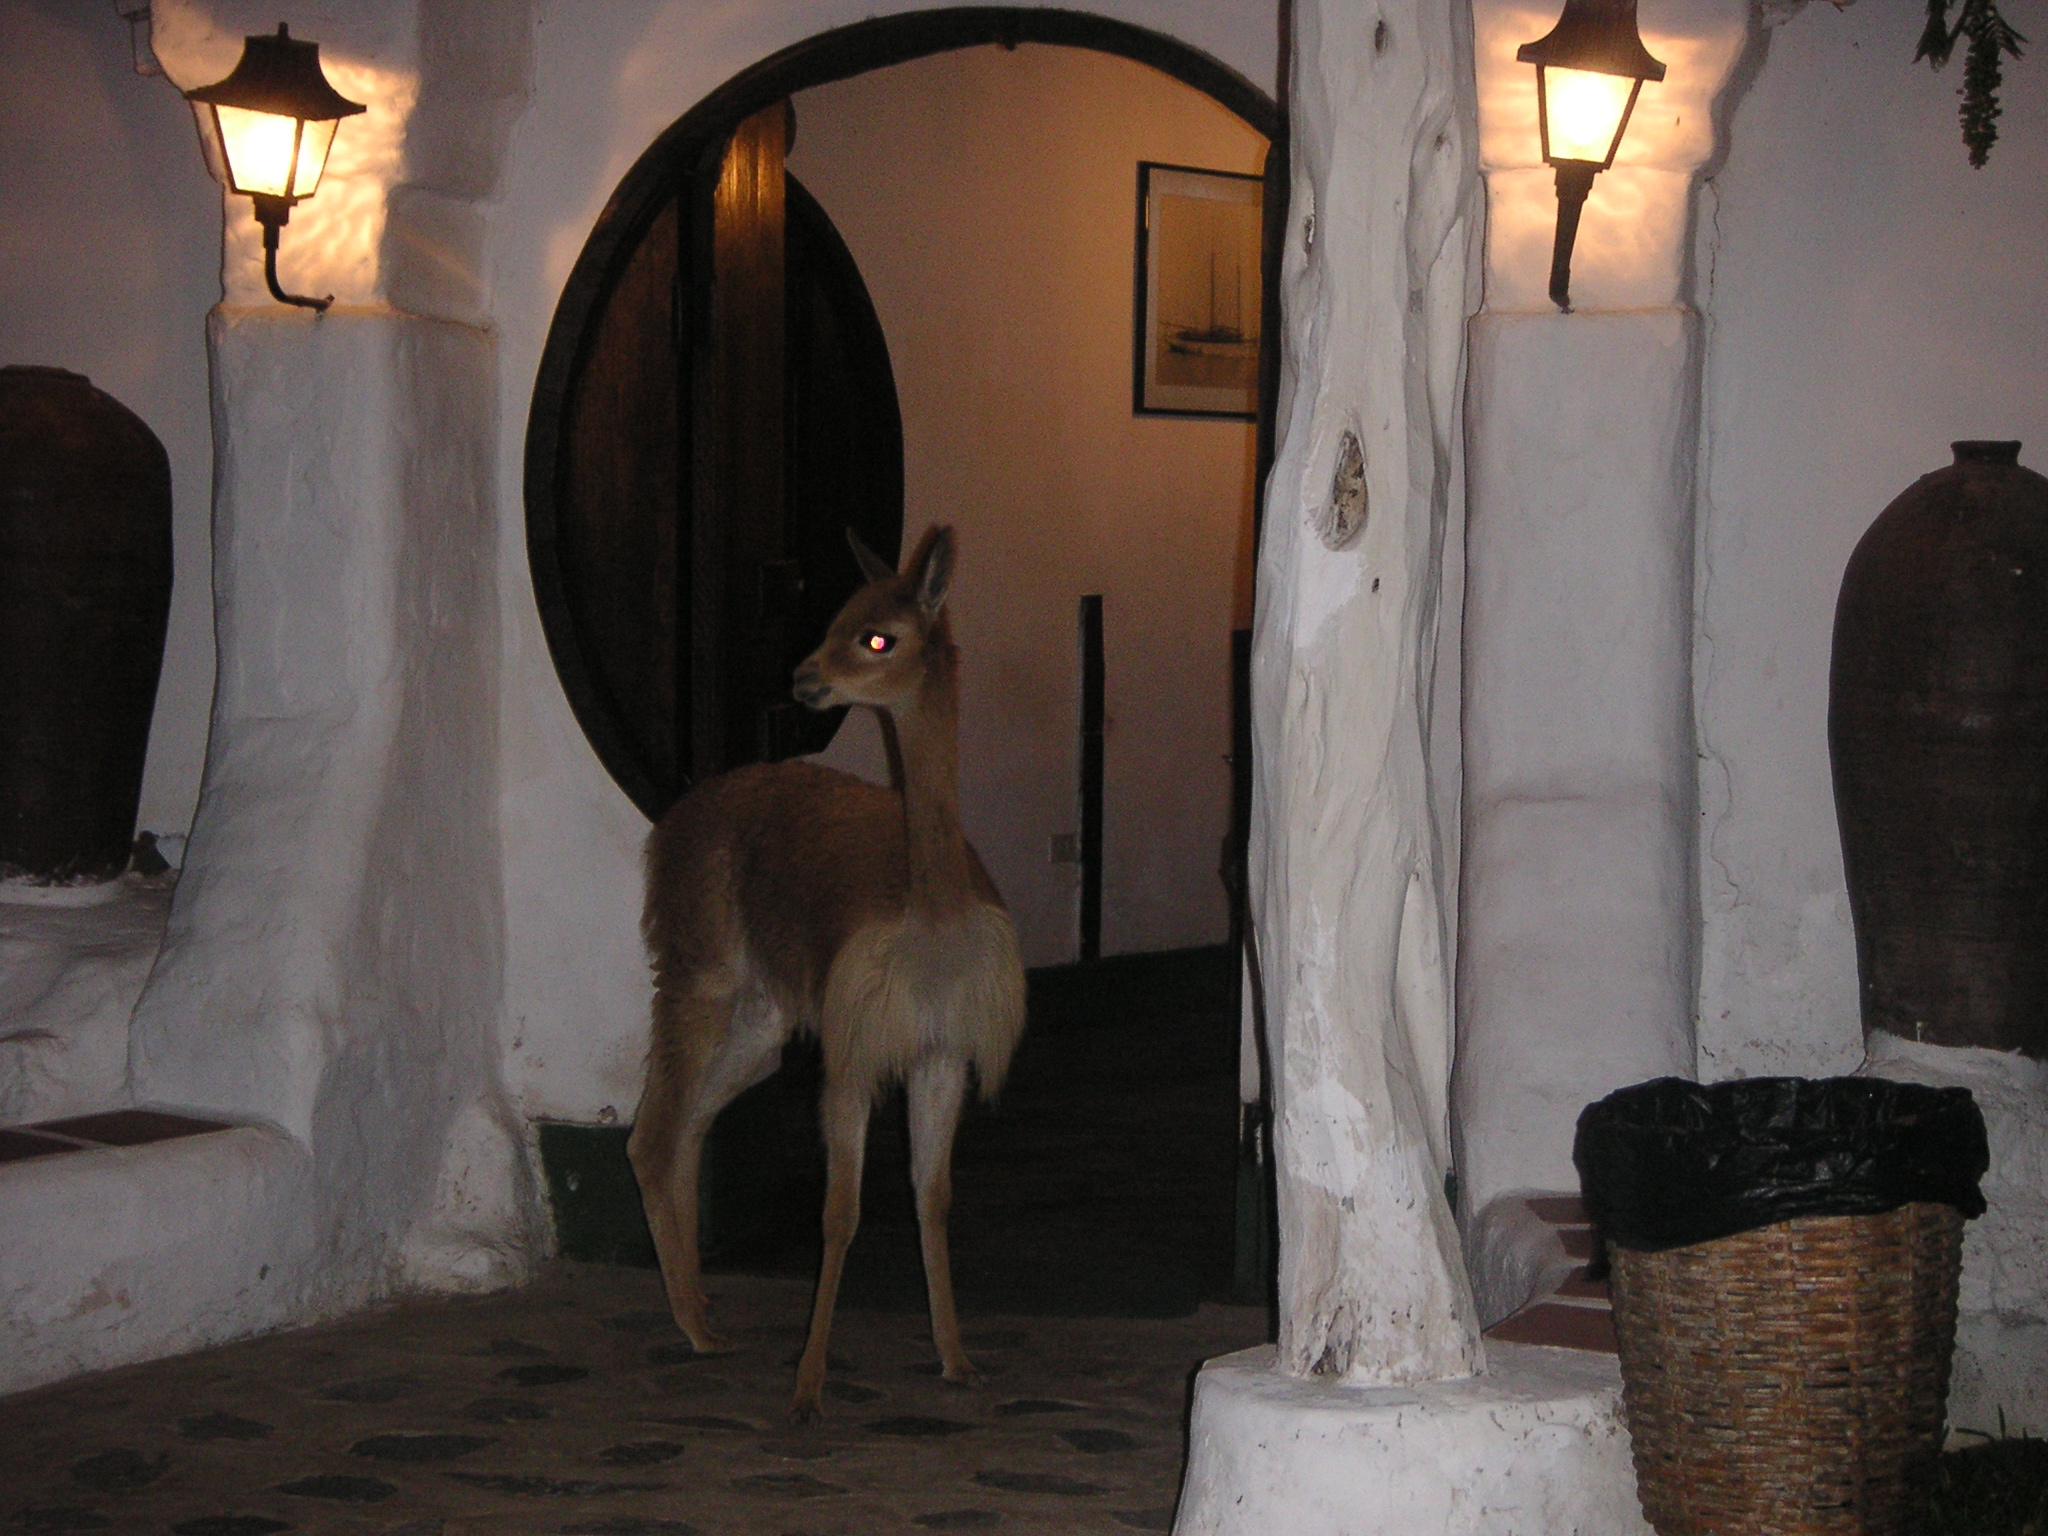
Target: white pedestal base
(1535, 1447)
(2000, 1384)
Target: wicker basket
(1792, 1378)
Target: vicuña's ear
(933, 572)
(872, 565)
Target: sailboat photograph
(1199, 289)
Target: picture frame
(1199, 296)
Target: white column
(1575, 961)
(334, 959)
(1577, 907)
(334, 953)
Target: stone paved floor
(575, 1407)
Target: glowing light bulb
(1585, 111)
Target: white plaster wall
(1577, 914)
(139, 1252)
(69, 977)
(988, 198)
(606, 81)
(1871, 298)
(1633, 250)
(112, 253)
(109, 260)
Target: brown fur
(785, 897)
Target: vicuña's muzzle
(810, 689)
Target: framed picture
(1196, 343)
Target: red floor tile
(1579, 1285)
(131, 1127)
(1560, 1327)
(1577, 1241)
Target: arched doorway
(778, 1136)
(673, 680)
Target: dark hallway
(1102, 1183)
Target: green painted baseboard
(598, 1219)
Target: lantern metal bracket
(1574, 182)
(273, 213)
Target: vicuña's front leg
(843, 1114)
(936, 1091)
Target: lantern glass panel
(259, 148)
(259, 145)
(314, 143)
(1584, 110)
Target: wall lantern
(274, 120)
(1588, 71)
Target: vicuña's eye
(877, 642)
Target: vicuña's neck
(928, 735)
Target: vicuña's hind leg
(935, 1091)
(843, 1116)
(699, 1063)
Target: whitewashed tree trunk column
(1349, 884)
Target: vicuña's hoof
(965, 1374)
(806, 1411)
(709, 1343)
(695, 1324)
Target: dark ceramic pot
(85, 594)
(1938, 728)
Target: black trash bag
(1668, 1163)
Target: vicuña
(785, 897)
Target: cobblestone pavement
(575, 1407)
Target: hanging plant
(1991, 36)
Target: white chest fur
(910, 989)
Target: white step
(112, 1255)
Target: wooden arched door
(730, 413)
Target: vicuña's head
(874, 653)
